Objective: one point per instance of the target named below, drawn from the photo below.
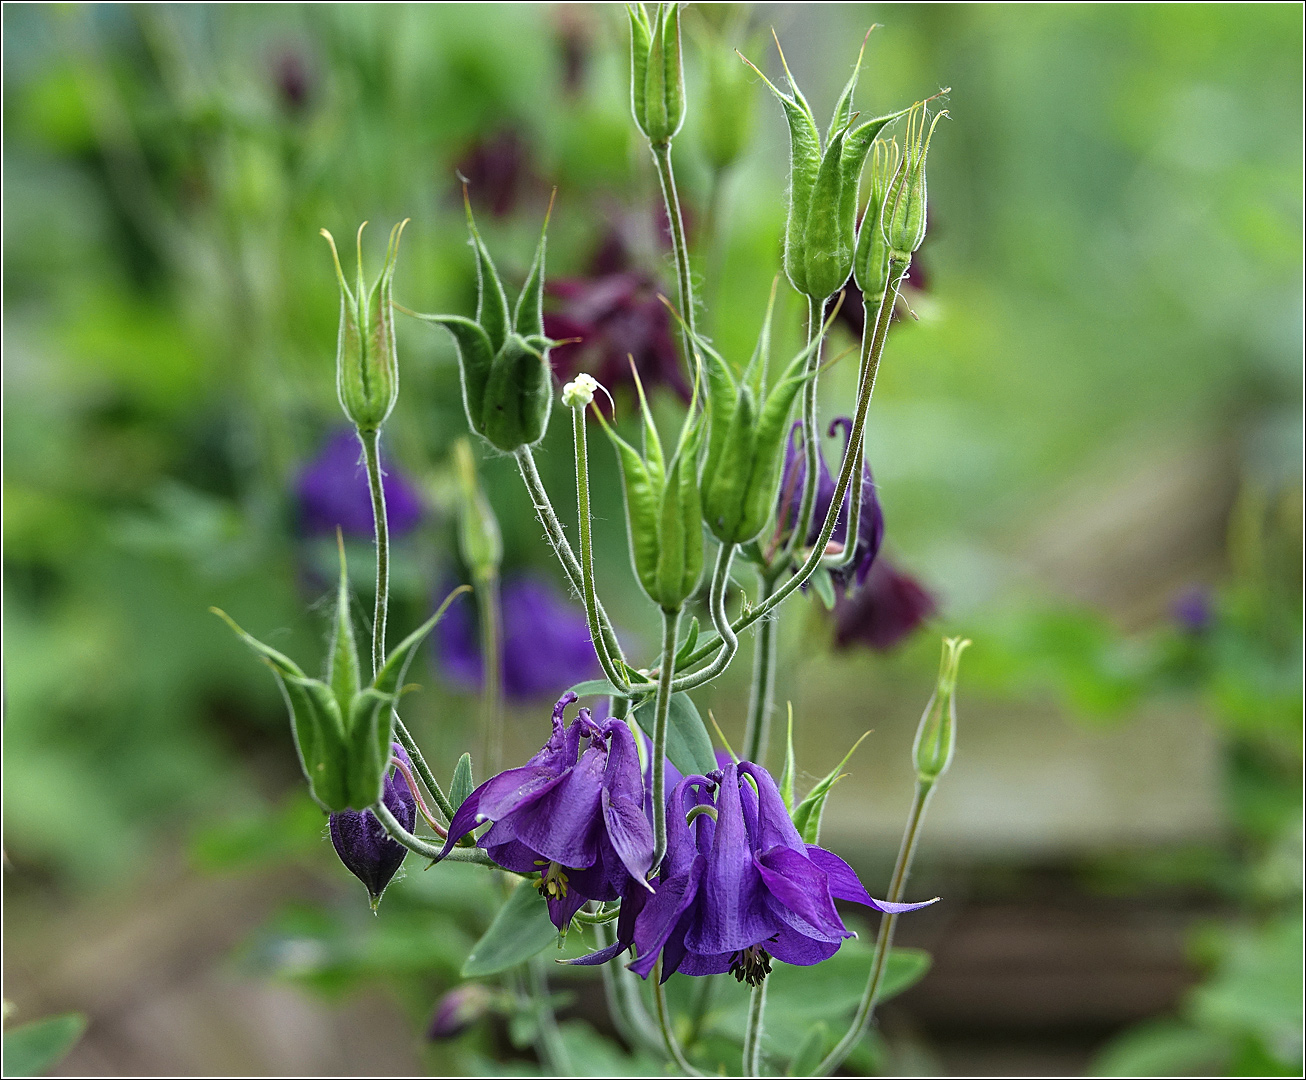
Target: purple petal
(802, 888)
(630, 834)
(774, 825)
(561, 911)
(845, 885)
(562, 823)
(794, 947)
(662, 912)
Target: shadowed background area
(1086, 436)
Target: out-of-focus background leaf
(1091, 435)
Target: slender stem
(418, 846)
(552, 1049)
(884, 940)
(852, 534)
(661, 711)
(664, 1022)
(811, 437)
(415, 788)
(558, 540)
(602, 918)
(761, 692)
(753, 1031)
(625, 1003)
(667, 178)
(704, 990)
(728, 641)
(372, 456)
(407, 741)
(896, 272)
(487, 603)
(588, 590)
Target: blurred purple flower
(332, 490)
(735, 892)
(575, 33)
(546, 642)
(498, 172)
(870, 530)
(576, 818)
(1193, 611)
(361, 840)
(292, 79)
(888, 607)
(458, 1010)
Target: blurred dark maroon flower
(885, 610)
(498, 172)
(458, 1010)
(292, 79)
(331, 491)
(361, 840)
(870, 522)
(575, 44)
(852, 313)
(546, 642)
(1193, 611)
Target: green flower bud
(936, 738)
(728, 124)
(747, 424)
(823, 183)
(904, 208)
(367, 365)
(479, 541)
(871, 262)
(663, 508)
(503, 359)
(657, 73)
(343, 729)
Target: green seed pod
(936, 738)
(823, 186)
(657, 73)
(905, 203)
(342, 729)
(503, 360)
(479, 540)
(367, 365)
(871, 261)
(747, 424)
(663, 509)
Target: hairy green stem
(728, 642)
(427, 850)
(407, 741)
(671, 200)
(754, 1030)
(558, 540)
(761, 691)
(884, 939)
(372, 456)
(896, 272)
(661, 711)
(588, 591)
(487, 602)
(669, 1039)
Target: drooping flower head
(870, 529)
(331, 490)
(887, 608)
(576, 817)
(546, 642)
(361, 840)
(738, 886)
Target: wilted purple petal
(886, 609)
(331, 490)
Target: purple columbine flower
(870, 532)
(332, 491)
(887, 608)
(546, 642)
(738, 890)
(1193, 611)
(361, 840)
(458, 1010)
(575, 818)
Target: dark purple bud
(291, 77)
(498, 173)
(332, 491)
(886, 609)
(458, 1010)
(362, 842)
(546, 642)
(1193, 611)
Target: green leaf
(35, 1048)
(823, 587)
(688, 746)
(594, 688)
(687, 646)
(519, 931)
(810, 1051)
(787, 776)
(342, 663)
(807, 815)
(462, 784)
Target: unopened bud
(458, 1010)
(871, 262)
(479, 540)
(905, 207)
(657, 73)
(936, 738)
(367, 365)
